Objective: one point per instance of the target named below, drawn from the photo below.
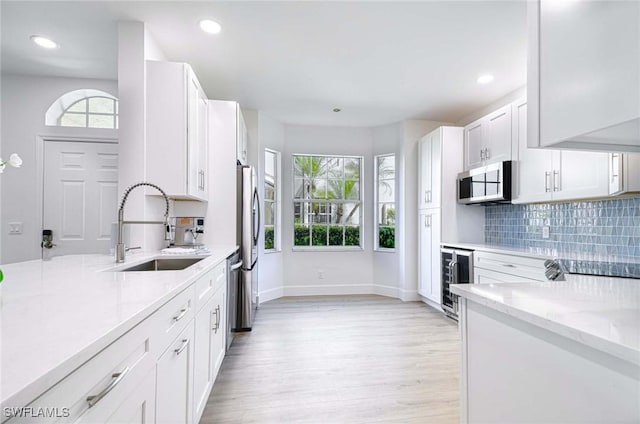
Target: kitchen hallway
(340, 359)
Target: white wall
(271, 271)
(25, 100)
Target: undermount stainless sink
(164, 264)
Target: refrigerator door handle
(256, 230)
(235, 266)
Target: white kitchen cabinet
(583, 74)
(430, 169)
(242, 138)
(488, 139)
(490, 267)
(550, 175)
(177, 131)
(429, 284)
(624, 173)
(210, 339)
(174, 380)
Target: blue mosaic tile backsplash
(608, 230)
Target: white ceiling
(380, 62)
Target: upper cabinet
(177, 131)
(549, 175)
(488, 139)
(583, 77)
(242, 138)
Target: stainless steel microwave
(487, 184)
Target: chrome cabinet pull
(556, 180)
(547, 186)
(509, 265)
(185, 343)
(117, 378)
(486, 154)
(181, 315)
(428, 196)
(481, 154)
(217, 324)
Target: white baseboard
(410, 295)
(341, 289)
(271, 294)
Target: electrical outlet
(15, 228)
(546, 232)
(320, 274)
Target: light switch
(15, 228)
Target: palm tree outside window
(327, 201)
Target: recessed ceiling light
(485, 79)
(210, 27)
(336, 109)
(44, 42)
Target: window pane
(301, 235)
(351, 190)
(350, 214)
(335, 189)
(386, 167)
(335, 167)
(318, 188)
(101, 105)
(269, 213)
(269, 163)
(319, 235)
(386, 213)
(80, 106)
(352, 168)
(73, 120)
(269, 238)
(387, 237)
(386, 191)
(101, 121)
(269, 190)
(352, 236)
(336, 235)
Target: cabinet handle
(428, 196)
(486, 154)
(181, 315)
(203, 180)
(547, 187)
(217, 324)
(117, 378)
(556, 180)
(185, 343)
(481, 154)
(427, 221)
(509, 265)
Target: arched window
(87, 108)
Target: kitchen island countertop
(599, 312)
(57, 314)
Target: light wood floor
(347, 359)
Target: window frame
(87, 114)
(376, 202)
(277, 202)
(360, 201)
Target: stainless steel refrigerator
(247, 234)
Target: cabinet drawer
(485, 276)
(172, 318)
(519, 266)
(209, 283)
(101, 384)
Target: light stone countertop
(599, 312)
(57, 314)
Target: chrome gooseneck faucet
(120, 248)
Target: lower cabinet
(174, 380)
(490, 268)
(210, 348)
(429, 255)
(138, 407)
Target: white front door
(80, 195)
